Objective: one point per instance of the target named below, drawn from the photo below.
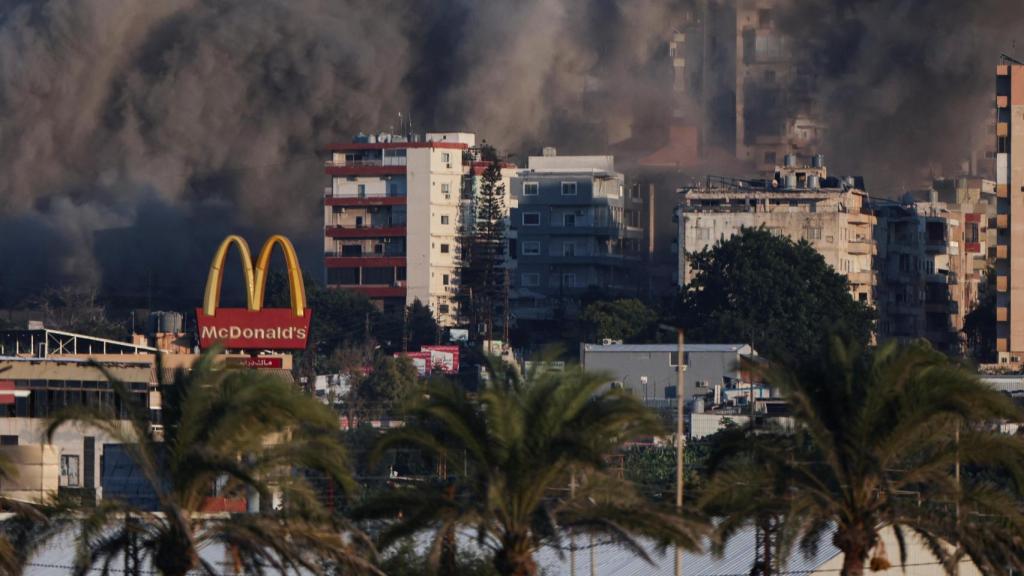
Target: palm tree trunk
(853, 563)
(515, 558)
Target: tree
(406, 329)
(624, 319)
(769, 291)
(482, 278)
(504, 453)
(878, 440)
(218, 423)
(76, 309)
(980, 323)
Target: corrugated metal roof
(739, 348)
(737, 560)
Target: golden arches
(255, 280)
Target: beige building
(801, 202)
(1010, 212)
(393, 217)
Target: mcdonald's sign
(254, 327)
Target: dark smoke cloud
(907, 86)
(110, 110)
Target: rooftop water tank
(817, 161)
(790, 182)
(549, 151)
(789, 160)
(165, 322)
(813, 182)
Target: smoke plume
(134, 135)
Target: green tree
(392, 382)
(219, 424)
(482, 276)
(774, 293)
(504, 453)
(624, 319)
(406, 329)
(877, 444)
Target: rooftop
(737, 348)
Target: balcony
(365, 232)
(334, 260)
(366, 167)
(862, 246)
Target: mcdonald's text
(241, 328)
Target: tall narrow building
(1010, 211)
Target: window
(531, 248)
(444, 279)
(6, 440)
(444, 219)
(703, 233)
(343, 276)
(569, 249)
(531, 218)
(569, 280)
(446, 158)
(764, 18)
(352, 250)
(393, 189)
(362, 190)
(531, 189)
(69, 470)
(378, 248)
(443, 308)
(769, 157)
(568, 188)
(813, 234)
(384, 276)
(634, 192)
(444, 248)
(446, 190)
(673, 359)
(569, 220)
(769, 76)
(531, 279)
(400, 273)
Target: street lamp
(680, 438)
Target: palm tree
(218, 424)
(510, 453)
(878, 439)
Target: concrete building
(649, 371)
(575, 231)
(1010, 212)
(392, 218)
(739, 80)
(798, 201)
(927, 275)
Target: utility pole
(572, 538)
(508, 313)
(680, 438)
(680, 430)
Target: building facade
(1010, 212)
(391, 218)
(927, 270)
(649, 371)
(575, 230)
(801, 202)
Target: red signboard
(443, 358)
(5, 385)
(270, 328)
(972, 217)
(972, 247)
(256, 362)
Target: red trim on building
(364, 261)
(972, 247)
(972, 217)
(379, 201)
(354, 146)
(365, 170)
(339, 232)
(378, 291)
(478, 168)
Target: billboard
(421, 360)
(443, 358)
(253, 327)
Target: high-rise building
(392, 218)
(576, 230)
(800, 202)
(1010, 211)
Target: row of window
(532, 280)
(533, 188)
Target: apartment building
(392, 218)
(1010, 211)
(801, 201)
(926, 271)
(575, 230)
